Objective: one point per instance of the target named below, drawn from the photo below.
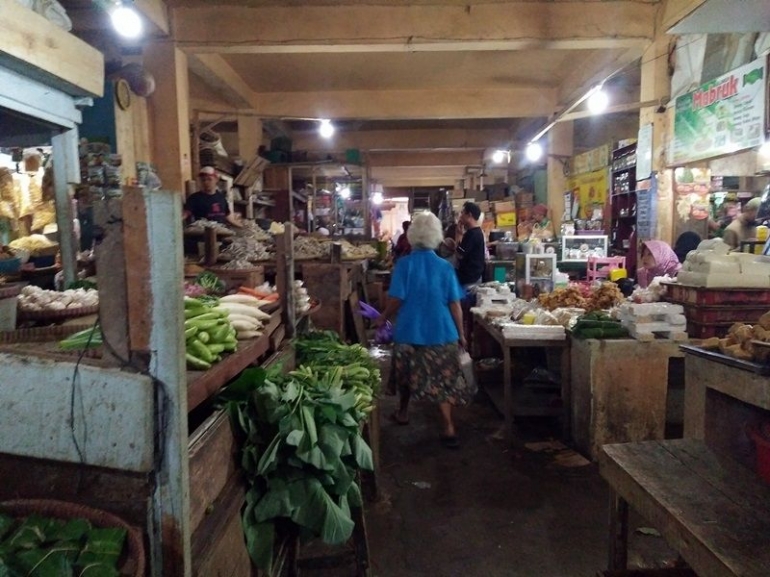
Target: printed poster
(721, 117)
(589, 190)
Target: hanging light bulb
(499, 156)
(598, 101)
(345, 192)
(377, 198)
(126, 21)
(326, 129)
(533, 151)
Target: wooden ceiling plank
(573, 24)
(675, 11)
(156, 12)
(219, 75)
(421, 159)
(520, 102)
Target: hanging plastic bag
(466, 365)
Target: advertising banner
(588, 191)
(723, 116)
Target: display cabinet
(623, 199)
(536, 270)
(579, 248)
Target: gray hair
(425, 232)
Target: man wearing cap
(744, 226)
(209, 203)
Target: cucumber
(202, 325)
(216, 349)
(190, 333)
(196, 363)
(200, 350)
(203, 337)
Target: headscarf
(540, 209)
(666, 262)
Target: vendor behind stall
(209, 202)
(540, 227)
(744, 226)
(658, 259)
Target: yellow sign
(588, 191)
(506, 219)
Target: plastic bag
(466, 365)
(384, 334)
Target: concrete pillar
(170, 113)
(559, 149)
(656, 85)
(249, 136)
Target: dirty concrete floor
(485, 510)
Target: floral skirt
(431, 373)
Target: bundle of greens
(43, 547)
(325, 352)
(598, 325)
(211, 282)
(301, 450)
(85, 339)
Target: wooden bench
(712, 510)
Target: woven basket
(133, 558)
(57, 315)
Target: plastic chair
(599, 268)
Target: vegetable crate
(691, 295)
(234, 278)
(734, 314)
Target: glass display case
(579, 248)
(537, 270)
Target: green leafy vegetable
(211, 282)
(301, 450)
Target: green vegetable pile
(208, 333)
(84, 284)
(324, 351)
(211, 282)
(301, 451)
(85, 339)
(598, 325)
(43, 547)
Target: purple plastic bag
(384, 334)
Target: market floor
(484, 511)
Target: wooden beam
(31, 44)
(583, 78)
(418, 175)
(396, 140)
(412, 104)
(674, 11)
(425, 159)
(477, 25)
(156, 12)
(219, 75)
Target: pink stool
(599, 268)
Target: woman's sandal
(398, 420)
(450, 441)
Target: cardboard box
(476, 195)
(456, 193)
(457, 204)
(525, 200)
(498, 191)
(505, 219)
(504, 206)
(484, 205)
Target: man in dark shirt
(470, 252)
(209, 203)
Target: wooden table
(709, 508)
(507, 345)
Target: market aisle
(482, 511)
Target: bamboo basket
(132, 561)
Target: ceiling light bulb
(377, 198)
(326, 130)
(345, 192)
(499, 156)
(126, 21)
(534, 151)
(598, 101)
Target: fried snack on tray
(711, 344)
(764, 321)
(602, 298)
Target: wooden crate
(234, 278)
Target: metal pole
(66, 170)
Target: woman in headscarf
(425, 298)
(658, 259)
(542, 227)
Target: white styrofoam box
(8, 314)
(534, 332)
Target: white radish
(244, 325)
(239, 309)
(242, 335)
(244, 318)
(241, 299)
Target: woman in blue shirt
(425, 298)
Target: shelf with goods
(623, 200)
(155, 433)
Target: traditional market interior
(384, 289)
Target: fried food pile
(738, 342)
(602, 298)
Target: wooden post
(336, 253)
(618, 551)
(211, 245)
(284, 278)
(66, 170)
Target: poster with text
(723, 116)
(590, 191)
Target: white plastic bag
(466, 365)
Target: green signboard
(723, 116)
